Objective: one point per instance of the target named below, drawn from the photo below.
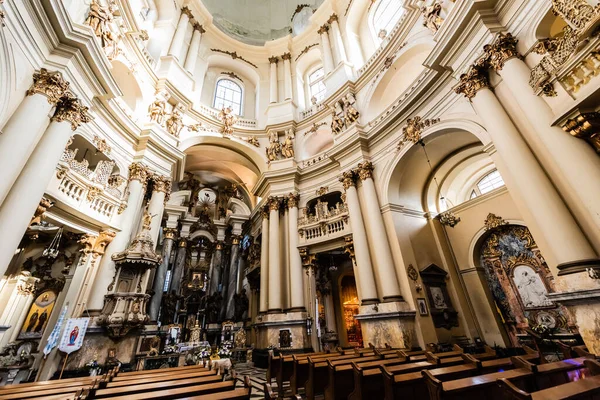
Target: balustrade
(325, 224)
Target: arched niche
(132, 94)
(316, 142)
(308, 61)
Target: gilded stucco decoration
(50, 84)
(493, 221)
(448, 218)
(431, 17)
(585, 126)
(344, 114)
(228, 118)
(411, 132)
(40, 211)
(174, 124)
(69, 109)
(101, 145)
(157, 110)
(274, 149)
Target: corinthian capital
(333, 18)
(69, 109)
(501, 50)
(138, 172)
(50, 84)
(170, 233)
(347, 179)
(274, 203)
(323, 29)
(185, 10)
(365, 170)
(292, 200)
(96, 245)
(162, 184)
(473, 81)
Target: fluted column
(287, 76)
(192, 54)
(389, 289)
(264, 262)
(177, 42)
(161, 272)
(26, 125)
(336, 38)
(161, 190)
(273, 80)
(296, 279)
(275, 288)
(138, 178)
(573, 166)
(215, 271)
(363, 269)
(542, 208)
(24, 196)
(232, 278)
(179, 266)
(326, 49)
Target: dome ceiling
(258, 21)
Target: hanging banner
(73, 335)
(54, 335)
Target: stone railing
(332, 224)
(311, 111)
(382, 47)
(214, 114)
(587, 66)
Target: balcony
(326, 224)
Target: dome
(258, 21)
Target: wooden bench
(300, 371)
(164, 375)
(588, 389)
(133, 388)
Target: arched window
(316, 84)
(384, 17)
(489, 182)
(228, 94)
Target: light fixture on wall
(52, 250)
(332, 266)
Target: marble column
(363, 269)
(336, 38)
(138, 177)
(232, 279)
(275, 288)
(389, 288)
(273, 79)
(287, 76)
(161, 190)
(329, 313)
(24, 196)
(215, 271)
(26, 125)
(296, 287)
(264, 262)
(161, 272)
(16, 307)
(572, 165)
(179, 266)
(192, 54)
(559, 237)
(326, 49)
(177, 43)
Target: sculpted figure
(350, 113)
(431, 17)
(228, 119)
(156, 110)
(274, 148)
(336, 123)
(99, 18)
(288, 144)
(175, 123)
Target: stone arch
(125, 78)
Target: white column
(542, 208)
(264, 263)
(25, 195)
(192, 54)
(275, 289)
(28, 122)
(355, 50)
(160, 190)
(16, 308)
(573, 166)
(338, 43)
(296, 278)
(177, 43)
(389, 289)
(326, 49)
(273, 80)
(161, 273)
(287, 76)
(363, 269)
(138, 176)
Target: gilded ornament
(228, 119)
(138, 172)
(185, 10)
(169, 233)
(493, 221)
(287, 149)
(274, 148)
(349, 248)
(585, 126)
(234, 55)
(99, 19)
(157, 110)
(274, 203)
(292, 200)
(323, 29)
(365, 170)
(93, 192)
(431, 17)
(413, 129)
(101, 145)
(348, 179)
(264, 211)
(412, 273)
(199, 28)
(41, 209)
(175, 123)
(122, 208)
(501, 50)
(286, 56)
(473, 80)
(50, 84)
(232, 75)
(26, 289)
(69, 109)
(235, 240)
(333, 18)
(162, 184)
(96, 245)
(147, 220)
(322, 190)
(579, 14)
(253, 141)
(449, 219)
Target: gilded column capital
(273, 60)
(138, 172)
(235, 240)
(162, 184)
(183, 242)
(323, 29)
(50, 84)
(585, 126)
(69, 109)
(274, 203)
(473, 81)
(264, 211)
(170, 233)
(577, 13)
(365, 170)
(42, 207)
(96, 245)
(501, 50)
(219, 246)
(286, 56)
(185, 10)
(348, 179)
(199, 28)
(292, 200)
(333, 18)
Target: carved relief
(344, 114)
(413, 129)
(274, 148)
(431, 17)
(50, 84)
(228, 119)
(175, 123)
(69, 109)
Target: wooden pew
(236, 394)
(157, 385)
(166, 375)
(318, 378)
(153, 371)
(588, 388)
(163, 377)
(418, 355)
(300, 371)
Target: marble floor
(257, 379)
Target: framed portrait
(38, 315)
(422, 306)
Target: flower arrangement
(225, 349)
(169, 349)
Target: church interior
(299, 199)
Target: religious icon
(73, 336)
(38, 315)
(439, 301)
(422, 306)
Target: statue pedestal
(391, 323)
(286, 331)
